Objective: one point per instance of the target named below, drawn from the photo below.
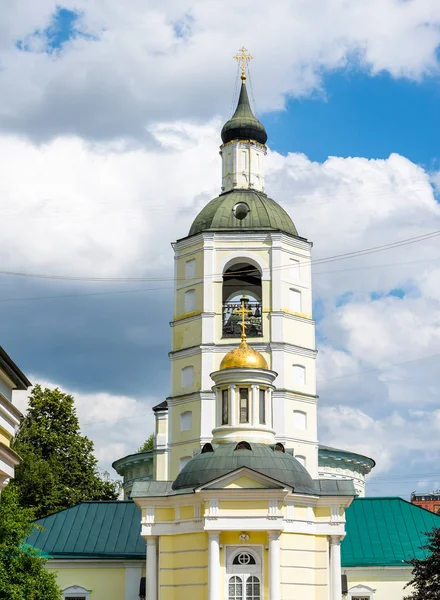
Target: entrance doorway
(244, 574)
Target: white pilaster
(151, 570)
(269, 409)
(233, 405)
(274, 565)
(335, 567)
(213, 565)
(255, 405)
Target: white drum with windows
(244, 574)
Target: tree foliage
(426, 571)
(22, 572)
(148, 444)
(58, 468)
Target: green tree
(148, 444)
(426, 571)
(58, 468)
(22, 572)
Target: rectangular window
(244, 405)
(190, 268)
(299, 375)
(187, 376)
(295, 301)
(295, 268)
(225, 407)
(262, 407)
(189, 300)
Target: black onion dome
(216, 461)
(243, 125)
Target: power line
(325, 260)
(360, 268)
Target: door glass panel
(252, 588)
(235, 589)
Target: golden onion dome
(243, 357)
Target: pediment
(244, 479)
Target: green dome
(264, 214)
(278, 465)
(243, 125)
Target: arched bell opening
(242, 282)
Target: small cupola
(243, 125)
(243, 389)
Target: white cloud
(146, 63)
(112, 210)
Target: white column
(213, 565)
(233, 405)
(335, 564)
(269, 411)
(255, 405)
(274, 565)
(218, 407)
(151, 571)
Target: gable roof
(109, 529)
(15, 374)
(385, 532)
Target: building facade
(237, 510)
(430, 501)
(11, 378)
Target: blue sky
(360, 115)
(110, 123)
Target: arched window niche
(76, 592)
(242, 281)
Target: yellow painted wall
(322, 512)
(176, 453)
(177, 410)
(388, 584)
(160, 466)
(187, 512)
(229, 507)
(164, 514)
(176, 374)
(187, 334)
(246, 483)
(106, 584)
(180, 312)
(304, 566)
(183, 566)
(5, 437)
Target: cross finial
(243, 57)
(243, 311)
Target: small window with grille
(76, 592)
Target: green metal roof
(208, 466)
(385, 532)
(265, 214)
(243, 125)
(106, 530)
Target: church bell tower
(242, 256)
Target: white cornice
(223, 348)
(293, 349)
(282, 313)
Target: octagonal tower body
(242, 244)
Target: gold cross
(243, 311)
(243, 57)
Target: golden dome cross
(243, 311)
(243, 57)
